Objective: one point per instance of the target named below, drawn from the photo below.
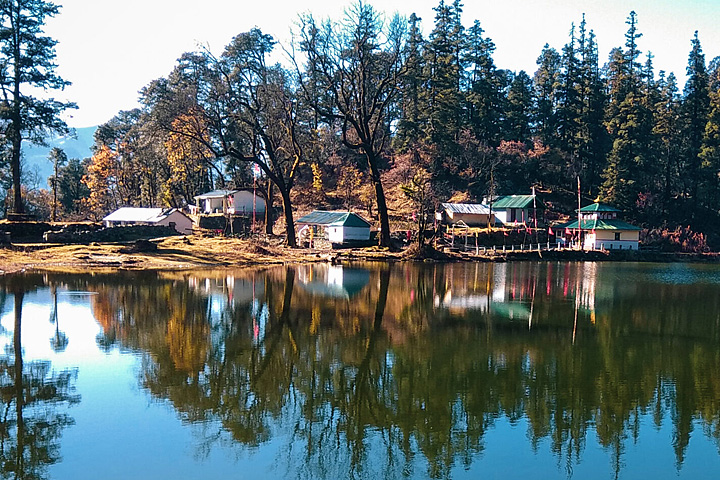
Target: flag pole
(537, 238)
(579, 224)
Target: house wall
(242, 204)
(211, 205)
(516, 215)
(629, 240)
(340, 234)
(470, 219)
(183, 224)
(502, 215)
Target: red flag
(506, 233)
(567, 231)
(550, 231)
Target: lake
(467, 370)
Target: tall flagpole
(535, 214)
(579, 224)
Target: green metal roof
(599, 207)
(600, 224)
(516, 201)
(345, 219)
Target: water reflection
(409, 371)
(34, 398)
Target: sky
(110, 49)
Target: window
(617, 235)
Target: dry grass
(172, 253)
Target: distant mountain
(36, 157)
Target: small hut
(336, 227)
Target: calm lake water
(536, 370)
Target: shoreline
(193, 252)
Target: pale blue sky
(110, 49)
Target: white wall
(243, 203)
(343, 234)
(211, 205)
(629, 240)
(183, 224)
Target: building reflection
(335, 281)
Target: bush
(682, 239)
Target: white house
(169, 217)
(516, 209)
(339, 227)
(234, 202)
(601, 229)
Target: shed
(339, 227)
(234, 202)
(471, 214)
(170, 217)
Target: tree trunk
(289, 222)
(380, 199)
(53, 216)
(19, 390)
(16, 127)
(18, 206)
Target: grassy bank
(205, 252)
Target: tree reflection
(30, 423)
(59, 341)
(416, 369)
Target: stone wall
(220, 223)
(112, 234)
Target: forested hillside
(76, 145)
(369, 113)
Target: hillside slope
(36, 157)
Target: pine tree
(519, 109)
(628, 121)
(569, 108)
(443, 72)
(666, 128)
(695, 109)
(593, 141)
(485, 101)
(28, 64)
(545, 85)
(412, 102)
(710, 152)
